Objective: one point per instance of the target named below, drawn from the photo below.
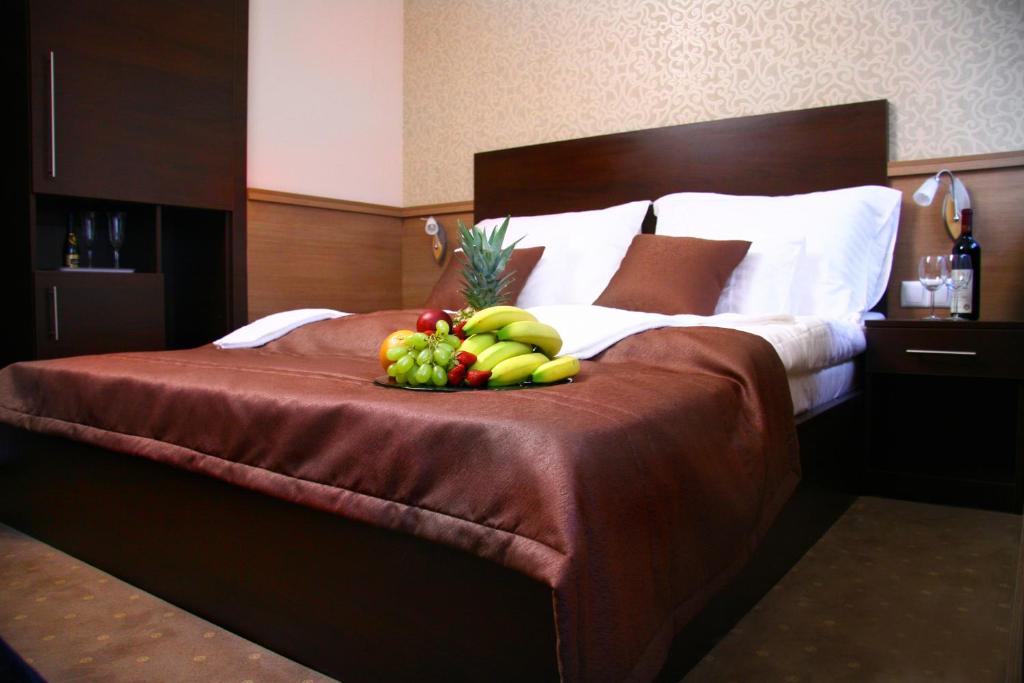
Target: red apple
(428, 320)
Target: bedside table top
(917, 323)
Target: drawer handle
(54, 314)
(939, 352)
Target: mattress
(815, 389)
(817, 354)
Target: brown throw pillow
(447, 293)
(662, 274)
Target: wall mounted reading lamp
(439, 242)
(952, 204)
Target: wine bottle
(966, 302)
(71, 246)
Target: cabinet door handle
(941, 352)
(52, 171)
(54, 314)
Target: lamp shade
(926, 193)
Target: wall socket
(914, 295)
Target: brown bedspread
(635, 492)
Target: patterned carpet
(895, 591)
(72, 622)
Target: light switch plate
(914, 295)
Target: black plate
(383, 381)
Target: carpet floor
(894, 591)
(73, 622)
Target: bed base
(829, 453)
(355, 602)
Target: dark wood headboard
(773, 154)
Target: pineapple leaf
(484, 260)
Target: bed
(349, 578)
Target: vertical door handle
(54, 314)
(52, 171)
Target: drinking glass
(115, 230)
(958, 277)
(87, 234)
(931, 271)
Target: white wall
(325, 98)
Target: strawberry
(457, 330)
(478, 378)
(465, 357)
(456, 375)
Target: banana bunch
(513, 346)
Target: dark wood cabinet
(945, 411)
(98, 312)
(134, 100)
(137, 107)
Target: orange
(394, 339)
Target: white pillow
(848, 236)
(582, 251)
(762, 284)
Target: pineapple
(484, 260)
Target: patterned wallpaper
(489, 74)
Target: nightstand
(945, 411)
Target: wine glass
(87, 236)
(958, 277)
(931, 271)
(115, 230)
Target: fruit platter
(488, 344)
(499, 347)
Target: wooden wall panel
(998, 204)
(419, 270)
(309, 251)
(315, 257)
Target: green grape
(404, 364)
(396, 352)
(423, 373)
(392, 369)
(442, 327)
(442, 354)
(416, 341)
(401, 380)
(438, 376)
(411, 378)
(424, 356)
(452, 341)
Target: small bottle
(71, 247)
(966, 302)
